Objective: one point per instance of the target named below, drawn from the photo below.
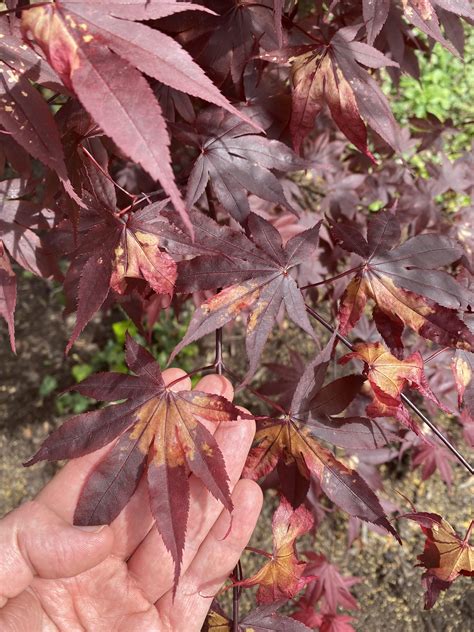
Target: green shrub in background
(445, 89)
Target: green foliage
(445, 88)
(48, 385)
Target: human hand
(119, 578)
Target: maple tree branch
(218, 362)
(289, 24)
(106, 174)
(53, 98)
(407, 401)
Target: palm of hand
(132, 588)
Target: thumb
(35, 541)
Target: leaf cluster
(240, 161)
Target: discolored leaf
(404, 284)
(116, 249)
(158, 429)
(388, 377)
(329, 74)
(282, 576)
(446, 556)
(463, 369)
(294, 439)
(23, 111)
(266, 263)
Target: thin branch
(435, 354)
(330, 279)
(403, 397)
(190, 374)
(252, 549)
(218, 362)
(106, 174)
(236, 590)
(53, 98)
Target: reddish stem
(263, 398)
(106, 174)
(436, 353)
(259, 552)
(468, 533)
(330, 279)
(190, 374)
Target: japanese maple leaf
(329, 585)
(225, 43)
(293, 439)
(330, 74)
(112, 251)
(284, 378)
(266, 263)
(17, 239)
(282, 576)
(446, 556)
(236, 160)
(24, 113)
(261, 619)
(431, 456)
(157, 430)
(98, 49)
(404, 283)
(388, 376)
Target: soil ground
(390, 594)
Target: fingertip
(247, 497)
(216, 385)
(171, 375)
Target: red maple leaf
(157, 430)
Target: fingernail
(92, 528)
